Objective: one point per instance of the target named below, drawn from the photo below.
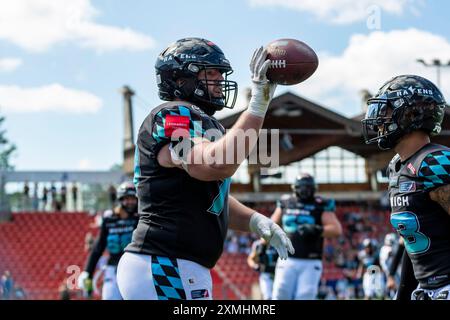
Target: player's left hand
(272, 233)
(262, 89)
(309, 230)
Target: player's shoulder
(328, 204)
(439, 155)
(434, 166)
(285, 200)
(108, 216)
(177, 108)
(257, 244)
(394, 159)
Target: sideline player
(307, 219)
(263, 258)
(115, 234)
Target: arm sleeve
(174, 125)
(435, 169)
(408, 282)
(97, 250)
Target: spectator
(26, 196)
(35, 200)
(53, 194)
(7, 284)
(75, 195)
(44, 198)
(233, 245)
(63, 195)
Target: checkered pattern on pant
(435, 168)
(166, 278)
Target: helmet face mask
(185, 60)
(379, 125)
(126, 195)
(305, 188)
(403, 105)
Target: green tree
(6, 149)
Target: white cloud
(370, 60)
(84, 164)
(38, 25)
(53, 97)
(342, 11)
(9, 64)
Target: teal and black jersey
(267, 256)
(423, 223)
(180, 217)
(296, 213)
(115, 235)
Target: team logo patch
(199, 294)
(411, 168)
(409, 186)
(175, 123)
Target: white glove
(272, 233)
(82, 280)
(262, 89)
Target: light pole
(438, 65)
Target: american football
(293, 61)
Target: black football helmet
(416, 104)
(305, 187)
(127, 189)
(184, 60)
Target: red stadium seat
(38, 247)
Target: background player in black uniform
(115, 234)
(403, 115)
(369, 270)
(263, 258)
(183, 165)
(306, 219)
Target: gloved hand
(310, 230)
(272, 233)
(262, 89)
(85, 281)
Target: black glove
(310, 230)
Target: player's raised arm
(208, 161)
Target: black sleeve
(396, 260)
(408, 282)
(97, 250)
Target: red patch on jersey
(411, 168)
(175, 123)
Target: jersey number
(219, 201)
(116, 242)
(291, 222)
(407, 225)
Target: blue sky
(61, 65)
